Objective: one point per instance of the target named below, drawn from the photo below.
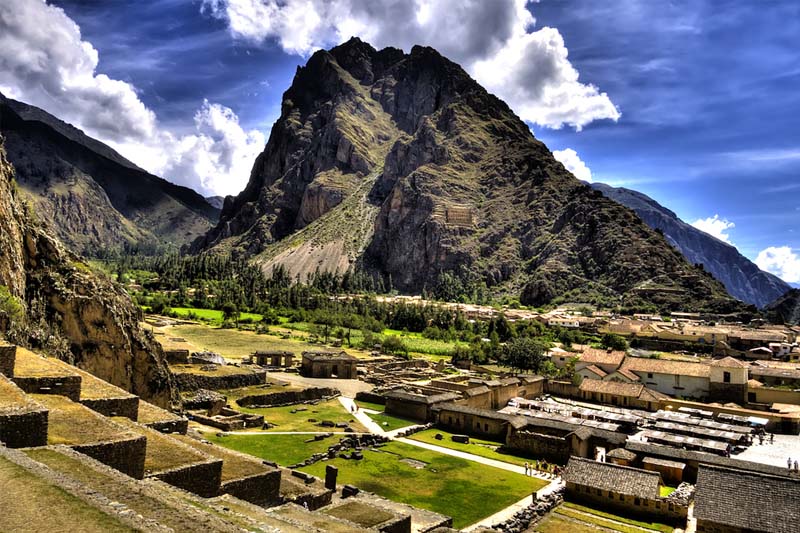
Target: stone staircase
(114, 457)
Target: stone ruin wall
(127, 407)
(69, 386)
(203, 479)
(24, 429)
(260, 489)
(125, 455)
(191, 382)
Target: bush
(10, 305)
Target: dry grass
(71, 423)
(164, 452)
(11, 395)
(234, 466)
(29, 364)
(199, 370)
(31, 504)
(361, 514)
(318, 520)
(149, 413)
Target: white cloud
(716, 227)
(569, 158)
(45, 62)
(495, 42)
(781, 261)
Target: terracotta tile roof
(626, 373)
(743, 500)
(728, 362)
(621, 453)
(594, 369)
(597, 356)
(612, 477)
(618, 388)
(665, 366)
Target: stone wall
(401, 524)
(260, 489)
(126, 455)
(8, 357)
(406, 409)
(277, 399)
(628, 505)
(704, 526)
(179, 425)
(203, 479)
(370, 397)
(552, 448)
(188, 381)
(125, 406)
(473, 424)
(24, 429)
(69, 386)
(565, 389)
(225, 424)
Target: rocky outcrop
(741, 277)
(786, 309)
(441, 188)
(94, 317)
(93, 197)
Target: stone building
(272, 358)
(417, 406)
(675, 378)
(627, 490)
(729, 500)
(728, 380)
(329, 365)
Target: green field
(283, 449)
(212, 315)
(559, 524)
(369, 405)
(465, 490)
(285, 420)
(389, 422)
(483, 448)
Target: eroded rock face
(94, 315)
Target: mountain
(741, 277)
(51, 300)
(216, 201)
(785, 309)
(94, 198)
(402, 166)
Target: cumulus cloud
(569, 158)
(45, 62)
(781, 261)
(495, 41)
(716, 227)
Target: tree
(230, 312)
(394, 345)
(525, 353)
(614, 342)
(10, 305)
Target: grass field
(212, 315)
(285, 420)
(389, 422)
(369, 405)
(465, 490)
(483, 448)
(559, 524)
(601, 518)
(283, 449)
(31, 504)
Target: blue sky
(695, 103)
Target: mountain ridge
(95, 199)
(406, 168)
(741, 277)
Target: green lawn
(369, 405)
(559, 524)
(483, 448)
(389, 422)
(282, 449)
(285, 420)
(212, 315)
(665, 491)
(571, 509)
(465, 490)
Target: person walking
(789, 464)
(526, 468)
(772, 438)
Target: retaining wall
(190, 382)
(125, 406)
(126, 455)
(69, 386)
(8, 357)
(202, 479)
(276, 399)
(260, 489)
(180, 425)
(24, 429)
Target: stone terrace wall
(24, 429)
(8, 357)
(126, 406)
(398, 525)
(191, 382)
(370, 397)
(179, 425)
(276, 399)
(260, 489)
(549, 447)
(202, 479)
(69, 386)
(126, 455)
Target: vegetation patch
(598, 517)
(300, 417)
(483, 448)
(465, 490)
(283, 449)
(389, 422)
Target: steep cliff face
(741, 277)
(407, 168)
(93, 315)
(94, 198)
(785, 309)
